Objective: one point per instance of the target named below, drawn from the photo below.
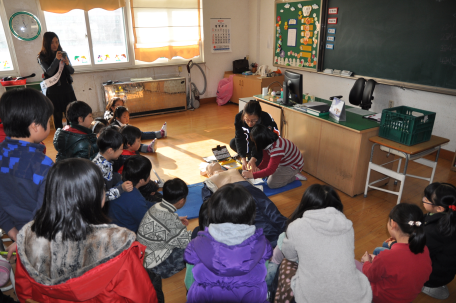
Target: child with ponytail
(398, 274)
(121, 118)
(440, 229)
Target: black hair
(317, 196)
(203, 219)
(253, 107)
(130, 133)
(262, 136)
(406, 216)
(136, 168)
(98, 124)
(19, 108)
(444, 195)
(109, 138)
(118, 113)
(46, 53)
(72, 201)
(231, 203)
(112, 102)
(175, 190)
(77, 109)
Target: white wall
(325, 86)
(87, 86)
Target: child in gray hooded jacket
(322, 237)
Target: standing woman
(244, 121)
(57, 66)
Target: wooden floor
(192, 134)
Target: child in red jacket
(397, 275)
(70, 253)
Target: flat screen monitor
(292, 88)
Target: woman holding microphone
(57, 75)
(245, 120)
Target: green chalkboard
(412, 41)
(297, 34)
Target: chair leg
(399, 196)
(398, 169)
(367, 180)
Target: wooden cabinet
(248, 86)
(332, 153)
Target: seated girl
(229, 256)
(282, 160)
(122, 118)
(398, 274)
(70, 253)
(322, 239)
(440, 229)
(267, 216)
(111, 107)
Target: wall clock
(25, 26)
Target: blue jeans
(380, 249)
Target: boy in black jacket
(76, 140)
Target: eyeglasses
(426, 201)
(250, 121)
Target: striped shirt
(280, 153)
(290, 154)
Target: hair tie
(95, 125)
(452, 207)
(416, 223)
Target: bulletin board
(297, 32)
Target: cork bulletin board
(297, 29)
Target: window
(143, 32)
(92, 38)
(7, 62)
(166, 30)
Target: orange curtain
(64, 6)
(166, 29)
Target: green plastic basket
(406, 125)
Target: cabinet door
(275, 112)
(237, 89)
(305, 132)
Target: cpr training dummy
(267, 215)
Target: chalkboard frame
(322, 51)
(321, 36)
(399, 84)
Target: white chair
(398, 175)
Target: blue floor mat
(194, 198)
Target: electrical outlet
(390, 103)
(247, 57)
(179, 68)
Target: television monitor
(292, 88)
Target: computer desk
(336, 153)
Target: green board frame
(408, 44)
(290, 20)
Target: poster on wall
(221, 35)
(297, 34)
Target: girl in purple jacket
(229, 256)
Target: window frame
(9, 40)
(92, 67)
(132, 63)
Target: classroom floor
(192, 134)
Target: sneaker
(151, 148)
(164, 131)
(301, 177)
(440, 293)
